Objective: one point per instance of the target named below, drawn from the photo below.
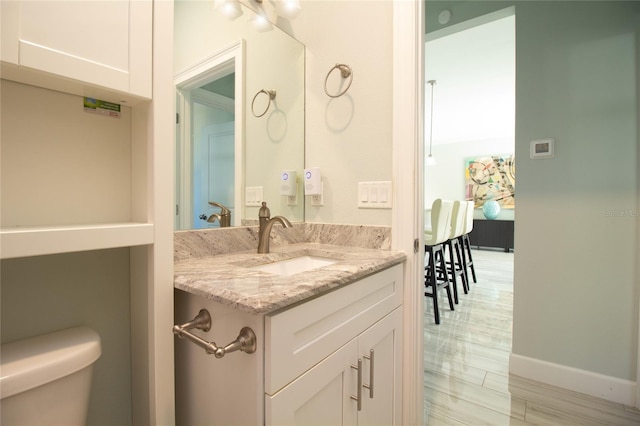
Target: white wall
(348, 138)
(48, 193)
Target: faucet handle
(264, 211)
(223, 209)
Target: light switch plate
(374, 195)
(253, 196)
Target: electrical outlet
(318, 199)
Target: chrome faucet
(224, 217)
(266, 223)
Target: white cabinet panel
(101, 43)
(382, 398)
(321, 396)
(325, 394)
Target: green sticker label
(97, 106)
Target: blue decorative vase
(491, 209)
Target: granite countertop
(229, 280)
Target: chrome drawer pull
(371, 369)
(358, 397)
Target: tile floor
(466, 378)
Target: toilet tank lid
(26, 364)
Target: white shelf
(35, 241)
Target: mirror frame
(214, 66)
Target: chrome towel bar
(245, 342)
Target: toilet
(46, 380)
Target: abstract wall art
(491, 177)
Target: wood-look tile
(467, 380)
(554, 401)
(460, 388)
(444, 405)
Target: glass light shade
(229, 8)
(431, 160)
(289, 8)
(261, 23)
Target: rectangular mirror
(240, 124)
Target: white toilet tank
(46, 380)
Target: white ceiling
(474, 94)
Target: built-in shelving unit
(89, 189)
(36, 241)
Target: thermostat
(541, 148)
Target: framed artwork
(491, 177)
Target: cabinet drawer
(300, 337)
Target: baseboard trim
(583, 381)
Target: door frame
(407, 217)
(214, 66)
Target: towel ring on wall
(345, 72)
(271, 94)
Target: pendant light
(430, 158)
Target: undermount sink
(295, 265)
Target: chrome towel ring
(270, 93)
(345, 72)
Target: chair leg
(436, 276)
(431, 281)
(466, 247)
(465, 265)
(453, 272)
(445, 278)
(460, 265)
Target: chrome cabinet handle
(358, 397)
(370, 357)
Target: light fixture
(229, 8)
(288, 8)
(430, 158)
(261, 23)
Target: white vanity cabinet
(305, 369)
(100, 44)
(328, 394)
(320, 357)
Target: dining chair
(436, 276)
(455, 265)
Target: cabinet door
(381, 349)
(321, 396)
(103, 43)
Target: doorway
(473, 66)
(472, 116)
(210, 140)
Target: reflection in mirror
(210, 162)
(223, 151)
